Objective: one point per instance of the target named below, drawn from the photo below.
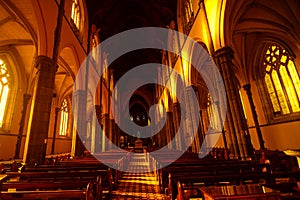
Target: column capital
(98, 109)
(247, 87)
(57, 109)
(192, 87)
(42, 60)
(226, 52)
(27, 96)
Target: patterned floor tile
(141, 186)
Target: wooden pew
(251, 191)
(218, 178)
(82, 194)
(186, 182)
(208, 167)
(68, 177)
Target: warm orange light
(186, 66)
(64, 116)
(4, 90)
(166, 100)
(215, 10)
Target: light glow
(64, 116)
(75, 14)
(4, 90)
(282, 81)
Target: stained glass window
(282, 81)
(64, 116)
(4, 90)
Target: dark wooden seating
(217, 169)
(82, 194)
(250, 191)
(55, 180)
(188, 181)
(81, 176)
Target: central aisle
(138, 185)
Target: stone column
(247, 87)
(193, 111)
(97, 132)
(170, 130)
(54, 130)
(236, 118)
(112, 133)
(38, 125)
(80, 122)
(220, 121)
(26, 98)
(176, 119)
(105, 132)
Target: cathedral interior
(185, 86)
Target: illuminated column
(113, 132)
(200, 129)
(105, 132)
(80, 123)
(192, 110)
(38, 125)
(247, 87)
(220, 121)
(96, 131)
(176, 117)
(236, 118)
(110, 121)
(170, 129)
(231, 135)
(54, 130)
(26, 98)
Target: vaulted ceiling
(114, 16)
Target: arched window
(281, 80)
(64, 116)
(4, 90)
(75, 13)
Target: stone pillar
(170, 130)
(38, 125)
(176, 119)
(112, 132)
(193, 111)
(80, 123)
(54, 130)
(247, 87)
(223, 129)
(97, 132)
(26, 98)
(105, 132)
(236, 118)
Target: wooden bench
(251, 191)
(82, 194)
(209, 167)
(58, 180)
(190, 181)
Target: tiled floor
(138, 185)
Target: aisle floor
(138, 185)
